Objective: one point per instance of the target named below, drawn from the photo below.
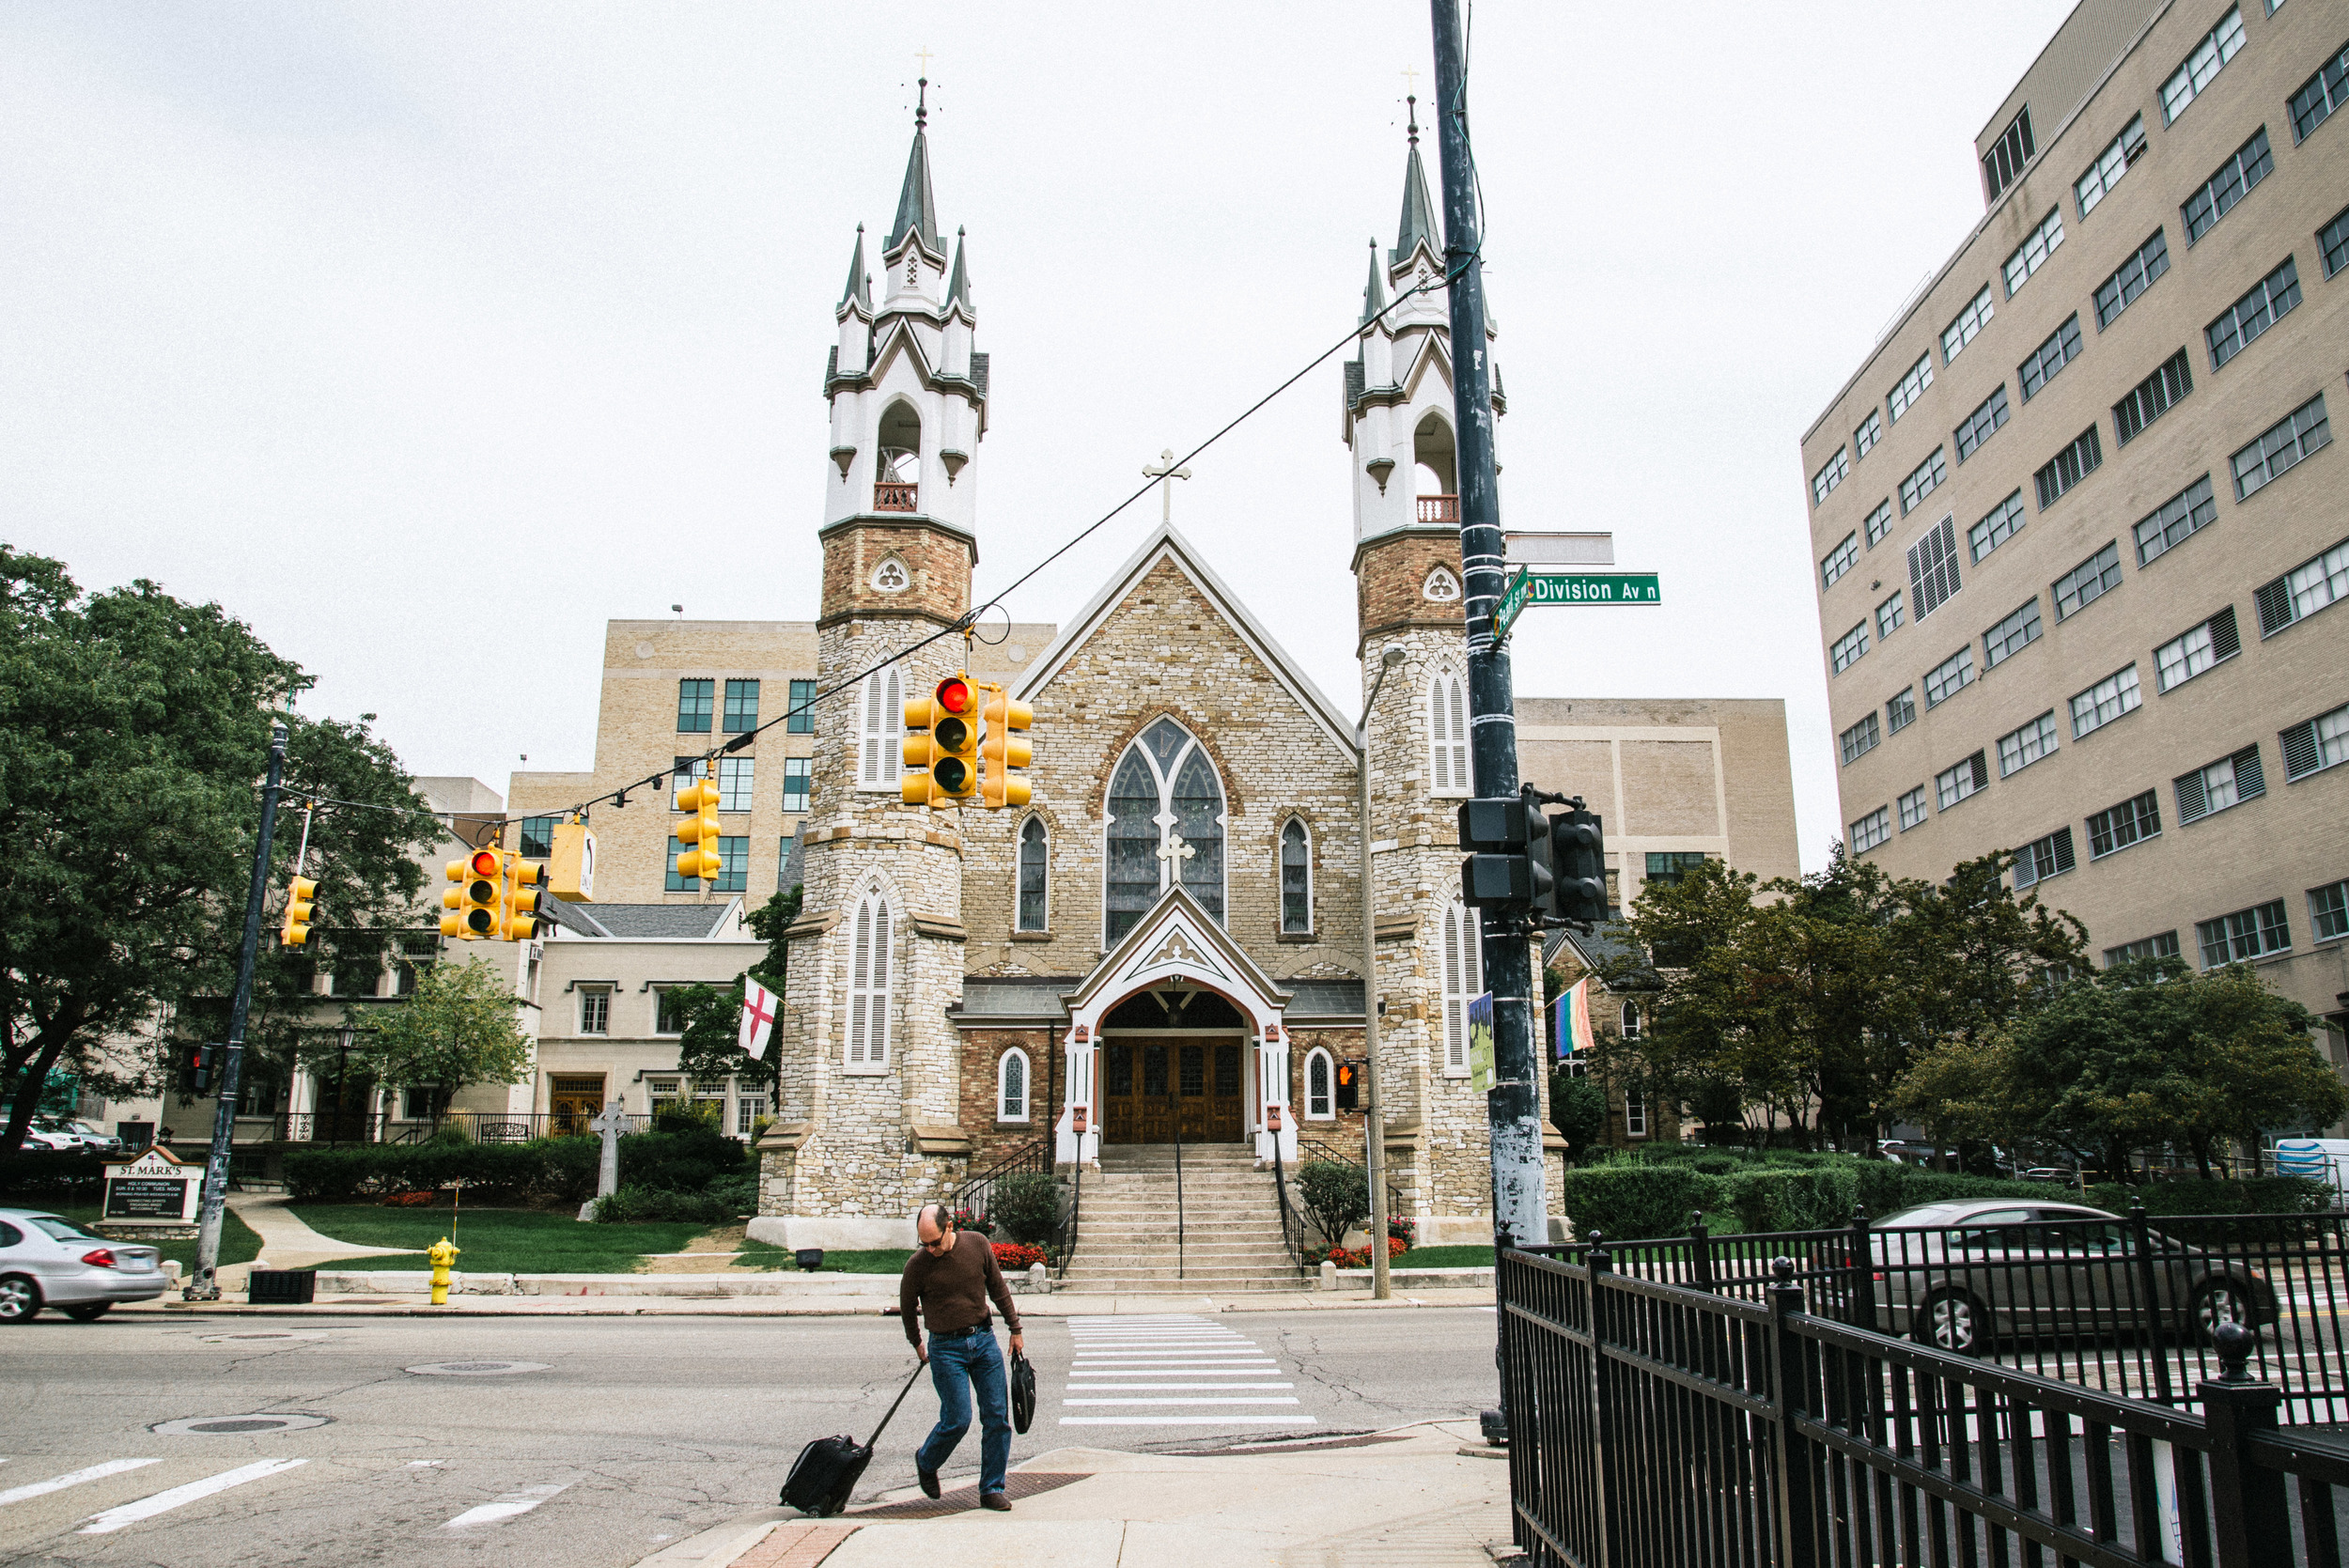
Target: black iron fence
(356, 1127)
(1658, 1423)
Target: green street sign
(1573, 587)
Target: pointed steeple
(1374, 293)
(917, 212)
(1418, 222)
(857, 291)
(958, 283)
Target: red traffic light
(486, 862)
(954, 695)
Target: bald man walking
(951, 1281)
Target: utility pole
(1375, 1115)
(203, 1286)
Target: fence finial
(2235, 1344)
(1782, 1270)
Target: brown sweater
(953, 1288)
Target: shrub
(330, 1175)
(1016, 1254)
(1626, 1201)
(1359, 1257)
(559, 1171)
(35, 1176)
(1027, 1206)
(1404, 1229)
(1781, 1198)
(1334, 1196)
(647, 1203)
(2195, 1195)
(966, 1220)
(686, 1161)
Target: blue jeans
(974, 1360)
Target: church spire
(857, 292)
(1417, 225)
(917, 213)
(1374, 293)
(958, 283)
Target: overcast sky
(427, 337)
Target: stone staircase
(1230, 1225)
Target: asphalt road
(632, 1432)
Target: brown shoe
(996, 1501)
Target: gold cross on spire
(924, 55)
(1411, 79)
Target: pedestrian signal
(200, 1066)
(475, 903)
(698, 833)
(1349, 1087)
(300, 896)
(1006, 749)
(1579, 844)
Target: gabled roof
(1165, 544)
(1609, 953)
(1177, 937)
(645, 921)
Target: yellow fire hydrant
(442, 1253)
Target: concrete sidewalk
(1410, 1497)
(679, 1299)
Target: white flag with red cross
(759, 1009)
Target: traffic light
(1508, 863)
(698, 833)
(300, 894)
(1005, 749)
(920, 747)
(1349, 1077)
(200, 1067)
(475, 900)
(954, 746)
(1579, 842)
(522, 879)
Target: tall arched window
(1165, 825)
(1448, 735)
(1011, 1086)
(869, 960)
(880, 730)
(1463, 962)
(1318, 1104)
(1296, 878)
(1033, 880)
(1630, 1020)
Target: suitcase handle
(893, 1404)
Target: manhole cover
(237, 1426)
(474, 1369)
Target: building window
(1872, 829)
(1318, 1100)
(594, 1011)
(880, 730)
(1166, 825)
(2033, 252)
(1634, 1113)
(741, 710)
(2320, 94)
(2152, 398)
(1948, 678)
(1824, 482)
(801, 720)
(1848, 648)
(2246, 935)
(1463, 979)
(1901, 711)
(1839, 560)
(2195, 71)
(2012, 635)
(2269, 301)
(1982, 424)
(2088, 581)
(1965, 777)
(1296, 878)
(795, 783)
(1933, 568)
(2041, 858)
(1912, 808)
(662, 1094)
(2332, 243)
(2106, 700)
(2187, 655)
(869, 964)
(668, 1010)
(1911, 386)
(2067, 468)
(2228, 184)
(1035, 875)
(749, 1111)
(1923, 480)
(1861, 738)
(1447, 733)
(1011, 1086)
(2004, 162)
(2062, 348)
(2328, 911)
(673, 881)
(2280, 447)
(2141, 272)
(2021, 747)
(734, 864)
(684, 771)
(1890, 614)
(1966, 326)
(1871, 431)
(782, 862)
(536, 841)
(693, 701)
(734, 776)
(1668, 867)
(2118, 157)
(2178, 518)
(1880, 520)
(2003, 523)
(2162, 945)
(2303, 590)
(2116, 828)
(1628, 1028)
(2228, 782)
(2315, 744)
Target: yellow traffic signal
(920, 750)
(523, 878)
(698, 833)
(300, 894)
(476, 898)
(955, 739)
(1006, 749)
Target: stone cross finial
(1174, 851)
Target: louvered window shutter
(2193, 804)
(2063, 861)
(2224, 644)
(2302, 755)
(2250, 779)
(868, 764)
(2275, 605)
(859, 960)
(1981, 770)
(877, 1021)
(1455, 996)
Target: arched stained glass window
(1011, 1086)
(1318, 1097)
(1166, 812)
(1296, 878)
(1033, 888)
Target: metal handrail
(1175, 1103)
(1032, 1157)
(1337, 1156)
(1292, 1224)
(1076, 1203)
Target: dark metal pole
(202, 1285)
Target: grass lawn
(761, 1254)
(499, 1241)
(238, 1244)
(1445, 1257)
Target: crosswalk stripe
(507, 1506)
(1163, 1388)
(1187, 1421)
(72, 1478)
(1183, 1400)
(178, 1497)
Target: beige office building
(2077, 523)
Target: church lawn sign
(151, 1198)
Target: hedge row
(552, 1172)
(51, 1175)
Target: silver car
(47, 1261)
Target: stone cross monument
(613, 1121)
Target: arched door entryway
(1174, 1059)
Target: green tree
(710, 1047)
(1578, 1108)
(462, 1026)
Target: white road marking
(1106, 1387)
(508, 1505)
(1187, 1421)
(1157, 1399)
(1167, 1363)
(72, 1478)
(178, 1497)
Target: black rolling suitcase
(828, 1469)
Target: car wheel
(20, 1298)
(2219, 1300)
(86, 1312)
(1954, 1321)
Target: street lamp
(1375, 1119)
